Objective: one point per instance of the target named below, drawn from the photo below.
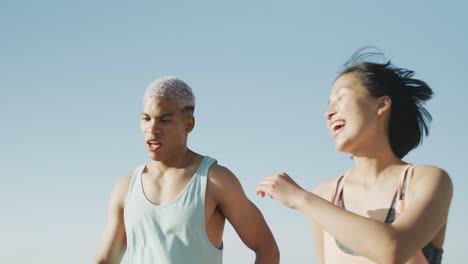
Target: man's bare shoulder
(221, 176)
(120, 189)
(325, 189)
(124, 182)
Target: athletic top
(336, 252)
(170, 233)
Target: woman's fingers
(271, 184)
(263, 189)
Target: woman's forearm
(367, 237)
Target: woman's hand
(281, 188)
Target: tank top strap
(195, 194)
(404, 187)
(205, 166)
(338, 188)
(405, 182)
(409, 181)
(135, 180)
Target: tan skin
(370, 186)
(165, 128)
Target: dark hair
(188, 110)
(409, 120)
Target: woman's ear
(384, 104)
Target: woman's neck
(378, 161)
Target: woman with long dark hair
(382, 209)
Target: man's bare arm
(243, 215)
(113, 242)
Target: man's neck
(179, 161)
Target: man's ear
(384, 104)
(189, 123)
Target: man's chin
(155, 156)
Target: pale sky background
(73, 73)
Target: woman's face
(352, 114)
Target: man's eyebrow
(166, 115)
(161, 116)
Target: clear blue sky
(72, 76)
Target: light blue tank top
(172, 233)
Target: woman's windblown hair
(409, 120)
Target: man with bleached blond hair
(173, 208)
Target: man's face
(165, 128)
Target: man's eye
(165, 120)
